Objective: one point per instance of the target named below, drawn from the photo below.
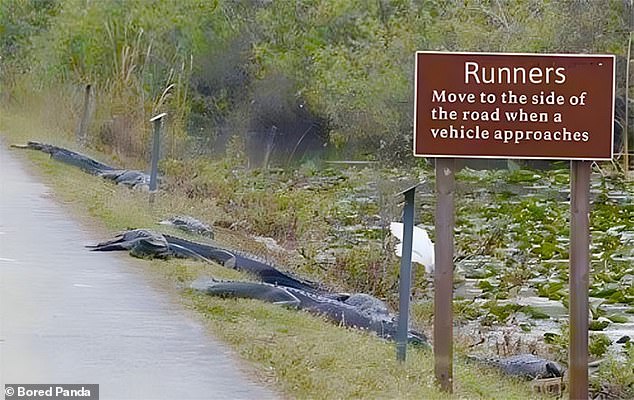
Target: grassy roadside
(286, 348)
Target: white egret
(422, 246)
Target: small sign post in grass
(405, 276)
(156, 147)
(82, 128)
(523, 106)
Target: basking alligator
(179, 247)
(264, 271)
(148, 244)
(189, 224)
(131, 178)
(128, 177)
(336, 311)
(140, 242)
(369, 306)
(525, 366)
(81, 161)
(124, 240)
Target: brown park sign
(495, 105)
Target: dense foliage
(292, 76)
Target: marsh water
(511, 251)
(529, 264)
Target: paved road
(71, 316)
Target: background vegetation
(306, 76)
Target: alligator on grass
(360, 315)
(144, 243)
(66, 156)
(525, 366)
(130, 178)
(189, 224)
(178, 247)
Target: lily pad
(598, 325)
(535, 313)
(618, 319)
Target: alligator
(263, 270)
(179, 247)
(140, 242)
(144, 243)
(66, 156)
(525, 366)
(131, 178)
(369, 306)
(124, 240)
(268, 293)
(189, 224)
(128, 177)
(335, 311)
(152, 247)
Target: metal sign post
(156, 146)
(443, 273)
(405, 281)
(579, 270)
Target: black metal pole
(405, 281)
(156, 146)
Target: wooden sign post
(443, 273)
(579, 279)
(525, 106)
(82, 128)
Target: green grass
(298, 354)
